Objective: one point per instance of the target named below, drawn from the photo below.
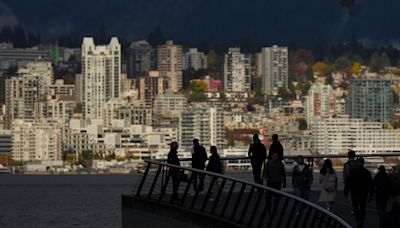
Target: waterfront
(63, 201)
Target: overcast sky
(277, 21)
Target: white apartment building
(36, 140)
(274, 69)
(237, 71)
(193, 59)
(169, 103)
(26, 88)
(206, 124)
(320, 102)
(338, 135)
(169, 64)
(59, 89)
(60, 110)
(101, 72)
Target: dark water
(63, 201)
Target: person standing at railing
(275, 176)
(214, 165)
(174, 172)
(347, 167)
(328, 180)
(257, 154)
(301, 178)
(275, 147)
(360, 185)
(199, 158)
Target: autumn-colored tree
(356, 68)
(198, 88)
(304, 55)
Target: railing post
(154, 182)
(260, 194)
(246, 204)
(218, 195)
(228, 198)
(208, 193)
(164, 187)
(239, 198)
(143, 179)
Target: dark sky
(276, 21)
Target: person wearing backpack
(328, 180)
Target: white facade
(205, 124)
(274, 69)
(101, 72)
(36, 140)
(169, 103)
(193, 59)
(28, 87)
(237, 71)
(169, 64)
(320, 102)
(338, 135)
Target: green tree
(302, 124)
(342, 64)
(292, 68)
(309, 74)
(286, 94)
(78, 108)
(375, 63)
(213, 61)
(385, 60)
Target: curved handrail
(319, 209)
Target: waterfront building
(338, 135)
(169, 64)
(370, 98)
(237, 71)
(274, 69)
(193, 59)
(36, 140)
(101, 72)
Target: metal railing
(231, 200)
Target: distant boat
(4, 170)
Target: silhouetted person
(214, 162)
(275, 176)
(347, 167)
(214, 165)
(301, 178)
(328, 179)
(174, 172)
(199, 158)
(257, 154)
(275, 147)
(360, 185)
(382, 187)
